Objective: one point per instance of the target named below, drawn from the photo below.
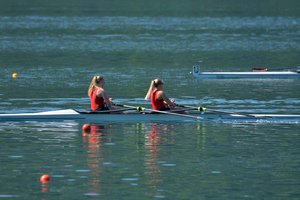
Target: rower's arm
(167, 100)
(102, 93)
(106, 99)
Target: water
(146, 161)
(56, 47)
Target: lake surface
(56, 48)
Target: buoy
(45, 178)
(14, 75)
(86, 128)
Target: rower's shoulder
(100, 90)
(161, 94)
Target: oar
(140, 109)
(203, 109)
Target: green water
(148, 161)
(56, 47)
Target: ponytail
(94, 83)
(151, 88)
(153, 85)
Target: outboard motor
(196, 69)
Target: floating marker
(45, 178)
(86, 128)
(14, 75)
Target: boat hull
(69, 114)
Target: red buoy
(86, 128)
(45, 178)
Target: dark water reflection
(134, 161)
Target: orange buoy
(14, 75)
(45, 178)
(86, 128)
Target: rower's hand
(173, 103)
(169, 105)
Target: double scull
(145, 116)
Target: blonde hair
(154, 84)
(94, 83)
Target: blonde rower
(158, 98)
(98, 96)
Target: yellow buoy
(14, 75)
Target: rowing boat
(256, 74)
(135, 116)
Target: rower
(158, 98)
(98, 96)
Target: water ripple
(176, 34)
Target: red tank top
(96, 102)
(157, 104)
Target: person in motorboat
(157, 96)
(98, 97)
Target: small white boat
(135, 116)
(258, 73)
